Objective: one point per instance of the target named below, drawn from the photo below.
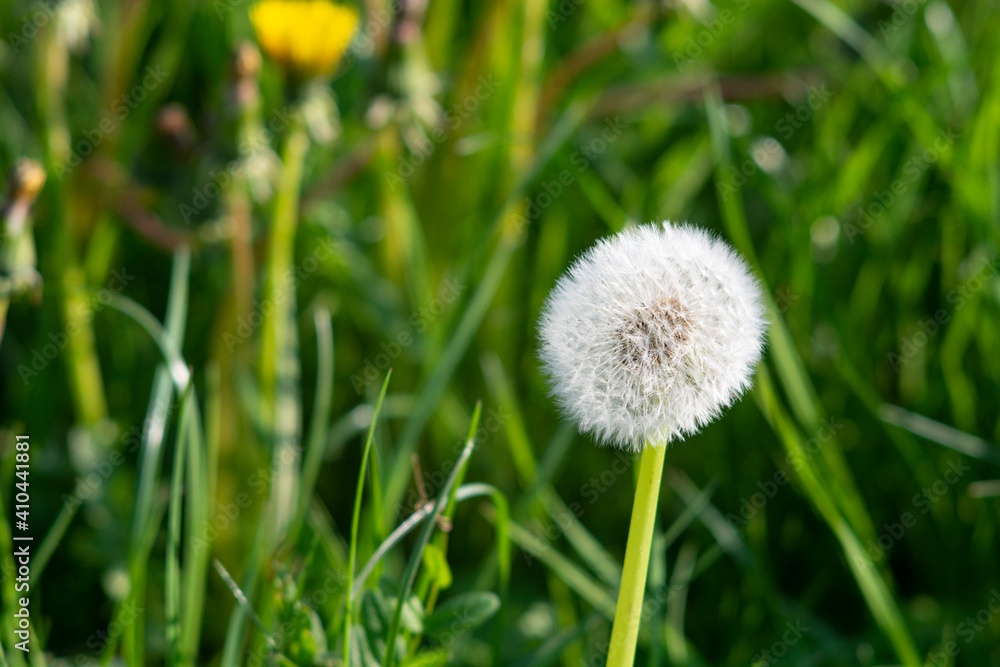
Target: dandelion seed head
(651, 334)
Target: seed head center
(651, 335)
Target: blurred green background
(845, 512)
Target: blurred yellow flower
(308, 37)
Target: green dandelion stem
(628, 612)
(279, 365)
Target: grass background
(848, 149)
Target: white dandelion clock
(651, 334)
(646, 339)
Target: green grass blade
(799, 389)
(428, 587)
(517, 434)
(197, 545)
(465, 492)
(416, 558)
(132, 611)
(177, 368)
(242, 601)
(579, 581)
(942, 434)
(172, 576)
(151, 449)
(237, 619)
(588, 547)
(182, 640)
(471, 319)
(159, 400)
(871, 583)
(690, 513)
(553, 458)
(676, 604)
(585, 544)
(356, 518)
(449, 508)
(848, 30)
(51, 540)
(320, 423)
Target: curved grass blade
(583, 542)
(151, 451)
(417, 557)
(588, 547)
(320, 423)
(355, 520)
(178, 370)
(182, 640)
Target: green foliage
(204, 367)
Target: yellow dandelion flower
(308, 37)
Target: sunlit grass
(449, 171)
